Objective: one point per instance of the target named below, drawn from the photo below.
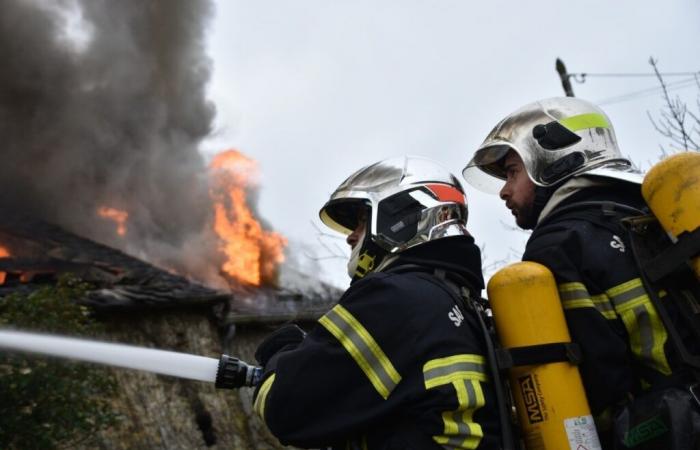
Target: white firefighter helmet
(557, 138)
(409, 200)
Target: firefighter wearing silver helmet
(400, 203)
(560, 172)
(397, 363)
(555, 140)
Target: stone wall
(160, 412)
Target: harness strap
(539, 354)
(687, 246)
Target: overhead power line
(648, 91)
(690, 79)
(581, 76)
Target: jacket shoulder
(410, 290)
(575, 244)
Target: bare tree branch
(672, 123)
(334, 251)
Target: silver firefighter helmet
(557, 138)
(409, 200)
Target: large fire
(4, 253)
(118, 216)
(252, 254)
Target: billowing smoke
(102, 103)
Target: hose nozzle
(233, 373)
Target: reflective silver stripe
(646, 334)
(461, 366)
(374, 363)
(602, 304)
(471, 395)
(464, 372)
(574, 295)
(620, 299)
(644, 327)
(453, 369)
(454, 443)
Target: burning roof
(34, 252)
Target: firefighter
(398, 363)
(553, 162)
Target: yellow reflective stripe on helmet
(363, 349)
(464, 372)
(585, 121)
(646, 331)
(261, 399)
(574, 295)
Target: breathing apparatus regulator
(404, 201)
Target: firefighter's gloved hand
(289, 336)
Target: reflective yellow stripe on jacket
(464, 372)
(575, 295)
(647, 333)
(261, 399)
(630, 302)
(363, 349)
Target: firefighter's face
(519, 190)
(357, 234)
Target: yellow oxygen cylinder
(552, 407)
(672, 191)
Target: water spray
(227, 372)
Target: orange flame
(118, 216)
(252, 254)
(4, 253)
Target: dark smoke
(102, 103)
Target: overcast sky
(316, 89)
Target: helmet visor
(485, 170)
(342, 215)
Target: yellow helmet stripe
(585, 121)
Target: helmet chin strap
(355, 255)
(365, 258)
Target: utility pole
(565, 78)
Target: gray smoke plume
(102, 103)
